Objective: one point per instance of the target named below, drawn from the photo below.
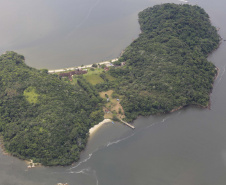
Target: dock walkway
(129, 125)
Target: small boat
(113, 122)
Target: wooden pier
(129, 125)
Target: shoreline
(209, 104)
(30, 163)
(97, 127)
(81, 67)
(215, 78)
(4, 152)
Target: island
(46, 117)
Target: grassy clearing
(95, 72)
(93, 77)
(30, 95)
(113, 106)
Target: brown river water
(187, 147)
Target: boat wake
(89, 12)
(120, 140)
(91, 154)
(91, 172)
(84, 161)
(145, 128)
(97, 181)
(83, 171)
(164, 119)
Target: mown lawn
(93, 77)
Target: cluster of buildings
(81, 70)
(70, 74)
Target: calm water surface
(58, 34)
(186, 147)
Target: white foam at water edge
(90, 155)
(85, 160)
(222, 72)
(109, 144)
(221, 75)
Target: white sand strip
(96, 127)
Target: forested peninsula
(42, 117)
(47, 117)
(166, 67)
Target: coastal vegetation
(93, 77)
(46, 118)
(41, 117)
(166, 67)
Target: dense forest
(41, 117)
(47, 119)
(167, 67)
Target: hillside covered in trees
(47, 119)
(41, 117)
(167, 67)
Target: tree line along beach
(48, 118)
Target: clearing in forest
(112, 107)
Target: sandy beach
(96, 127)
(82, 67)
